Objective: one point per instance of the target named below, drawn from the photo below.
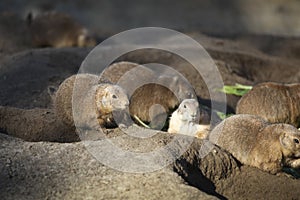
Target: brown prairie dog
(185, 120)
(58, 30)
(275, 102)
(255, 142)
(90, 100)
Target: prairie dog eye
(296, 141)
(184, 106)
(114, 96)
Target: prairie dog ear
(105, 101)
(283, 139)
(107, 91)
(197, 105)
(52, 90)
(181, 109)
(102, 95)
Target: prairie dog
(146, 89)
(90, 99)
(274, 102)
(58, 30)
(185, 120)
(255, 142)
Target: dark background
(214, 17)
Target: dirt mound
(26, 76)
(35, 125)
(68, 171)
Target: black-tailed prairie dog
(80, 97)
(58, 30)
(275, 102)
(185, 120)
(152, 96)
(255, 142)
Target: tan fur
(114, 72)
(275, 102)
(90, 100)
(257, 143)
(58, 30)
(185, 120)
(154, 89)
(109, 98)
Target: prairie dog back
(274, 102)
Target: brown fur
(90, 100)
(157, 90)
(114, 72)
(58, 30)
(275, 102)
(255, 142)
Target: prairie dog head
(111, 98)
(188, 110)
(290, 141)
(84, 39)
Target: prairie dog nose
(194, 115)
(126, 104)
